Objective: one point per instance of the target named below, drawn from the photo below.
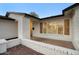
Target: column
(75, 29)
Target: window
(53, 28)
(60, 29)
(56, 27)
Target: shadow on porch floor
(61, 43)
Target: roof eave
(6, 18)
(7, 14)
(70, 7)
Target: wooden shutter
(66, 26)
(41, 26)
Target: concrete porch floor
(61, 43)
(21, 50)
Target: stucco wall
(36, 26)
(23, 25)
(19, 19)
(12, 43)
(8, 29)
(26, 28)
(75, 28)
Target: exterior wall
(23, 25)
(12, 43)
(36, 26)
(18, 18)
(53, 36)
(3, 46)
(8, 29)
(26, 28)
(75, 28)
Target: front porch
(32, 47)
(60, 43)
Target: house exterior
(64, 27)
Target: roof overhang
(7, 14)
(6, 18)
(70, 7)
